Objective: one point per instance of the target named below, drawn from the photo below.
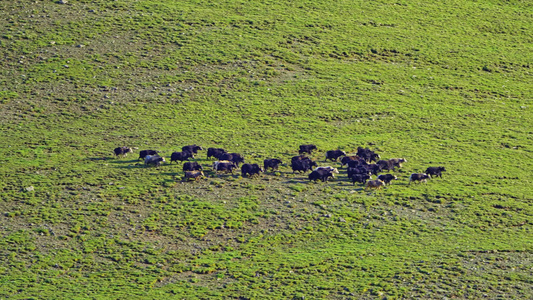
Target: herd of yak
(360, 167)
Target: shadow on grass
(140, 165)
(297, 180)
(172, 173)
(224, 175)
(120, 161)
(111, 159)
(105, 158)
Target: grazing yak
(215, 152)
(224, 165)
(122, 151)
(299, 157)
(358, 170)
(234, 157)
(435, 171)
(351, 159)
(144, 153)
(250, 169)
(193, 175)
(181, 156)
(306, 149)
(384, 165)
(374, 184)
(397, 162)
(302, 165)
(356, 163)
(419, 177)
(272, 163)
(328, 168)
(191, 166)
(322, 174)
(361, 178)
(373, 157)
(153, 160)
(374, 169)
(387, 178)
(367, 154)
(391, 164)
(192, 148)
(333, 155)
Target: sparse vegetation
(437, 83)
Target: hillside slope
(439, 84)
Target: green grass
(440, 84)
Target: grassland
(436, 83)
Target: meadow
(440, 84)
